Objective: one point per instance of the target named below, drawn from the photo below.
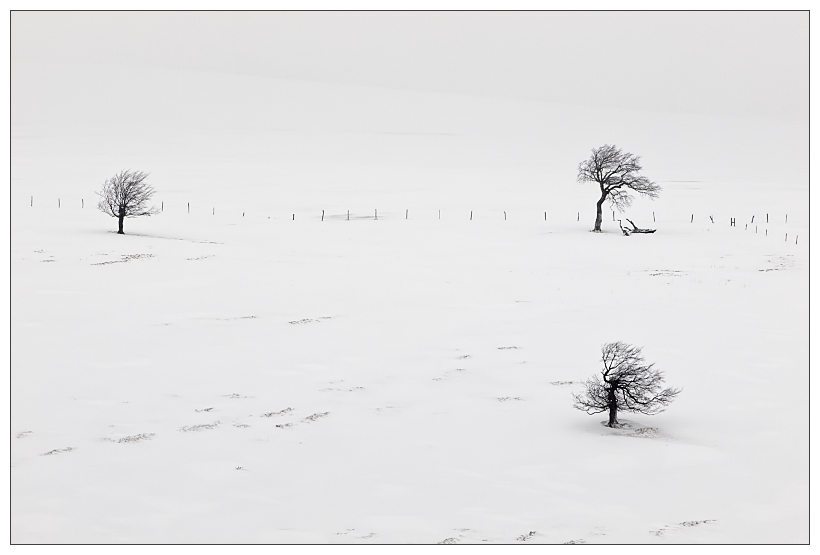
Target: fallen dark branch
(636, 229)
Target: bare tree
(626, 384)
(126, 195)
(615, 172)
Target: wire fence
(756, 223)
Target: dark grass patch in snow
(199, 427)
(209, 409)
(673, 273)
(672, 527)
(309, 320)
(277, 413)
(58, 451)
(644, 432)
(502, 399)
(316, 416)
(561, 383)
(21, 435)
(627, 428)
(135, 438)
(125, 258)
(507, 348)
(525, 537)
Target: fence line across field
(468, 215)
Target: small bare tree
(626, 384)
(126, 195)
(615, 172)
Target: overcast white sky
(738, 63)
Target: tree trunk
(612, 402)
(613, 416)
(121, 218)
(598, 216)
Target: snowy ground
(399, 381)
(270, 377)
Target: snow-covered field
(247, 372)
